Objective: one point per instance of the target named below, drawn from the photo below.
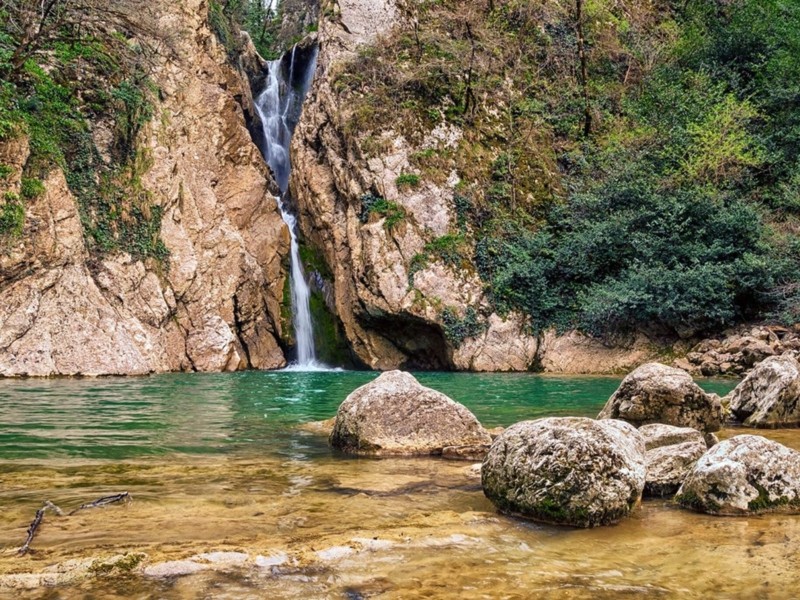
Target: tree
(31, 29)
(587, 110)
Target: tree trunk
(587, 111)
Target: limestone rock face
(570, 471)
(770, 395)
(391, 314)
(67, 311)
(746, 474)
(574, 352)
(395, 415)
(671, 453)
(655, 393)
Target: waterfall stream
(279, 106)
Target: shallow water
(217, 463)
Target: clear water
(222, 463)
(248, 412)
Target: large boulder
(655, 393)
(671, 454)
(770, 395)
(566, 470)
(747, 474)
(395, 415)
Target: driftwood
(37, 520)
(34, 526)
(104, 501)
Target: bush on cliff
(660, 190)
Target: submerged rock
(395, 415)
(747, 474)
(173, 568)
(655, 393)
(671, 454)
(566, 470)
(770, 395)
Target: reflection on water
(216, 463)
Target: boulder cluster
(653, 438)
(739, 351)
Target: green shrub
(133, 112)
(631, 255)
(32, 188)
(450, 249)
(457, 329)
(10, 115)
(391, 212)
(12, 216)
(407, 180)
(463, 206)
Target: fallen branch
(37, 520)
(34, 526)
(104, 501)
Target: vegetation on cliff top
(67, 69)
(272, 30)
(624, 165)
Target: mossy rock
(747, 474)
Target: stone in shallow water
(668, 466)
(671, 453)
(747, 474)
(174, 568)
(395, 415)
(655, 393)
(770, 395)
(658, 435)
(335, 552)
(569, 470)
(273, 560)
(223, 558)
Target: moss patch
(690, 499)
(329, 339)
(12, 216)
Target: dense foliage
(274, 27)
(660, 192)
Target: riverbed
(230, 487)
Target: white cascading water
(279, 107)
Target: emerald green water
(245, 413)
(219, 470)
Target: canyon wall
(214, 303)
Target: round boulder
(671, 454)
(566, 470)
(747, 474)
(395, 415)
(656, 393)
(770, 395)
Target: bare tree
(34, 26)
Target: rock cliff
(372, 228)
(215, 303)
(403, 296)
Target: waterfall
(279, 106)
